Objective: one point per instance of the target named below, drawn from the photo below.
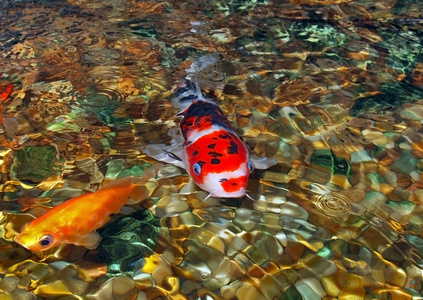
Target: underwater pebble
(353, 287)
(395, 276)
(229, 291)
(293, 210)
(306, 291)
(141, 296)
(331, 287)
(9, 284)
(120, 287)
(52, 289)
(248, 291)
(246, 219)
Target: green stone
(376, 178)
(258, 253)
(327, 159)
(325, 252)
(406, 164)
(34, 164)
(307, 292)
(127, 240)
(291, 294)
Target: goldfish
(211, 151)
(75, 220)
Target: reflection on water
(331, 89)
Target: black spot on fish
(233, 148)
(195, 153)
(214, 138)
(189, 86)
(211, 146)
(201, 163)
(188, 98)
(234, 183)
(215, 161)
(223, 180)
(210, 113)
(224, 136)
(215, 154)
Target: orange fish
(75, 221)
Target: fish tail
(189, 90)
(187, 93)
(139, 192)
(147, 174)
(134, 180)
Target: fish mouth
(16, 240)
(237, 194)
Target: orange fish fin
(127, 181)
(131, 180)
(89, 240)
(148, 173)
(138, 194)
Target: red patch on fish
(233, 184)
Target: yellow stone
(330, 286)
(340, 180)
(353, 289)
(395, 276)
(352, 294)
(386, 188)
(55, 288)
(216, 243)
(4, 296)
(248, 291)
(151, 263)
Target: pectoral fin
(89, 240)
(167, 153)
(262, 163)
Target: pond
(327, 94)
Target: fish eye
(46, 240)
(196, 168)
(250, 166)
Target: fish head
(37, 240)
(218, 163)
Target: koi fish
(211, 151)
(75, 221)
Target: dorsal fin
(131, 180)
(126, 181)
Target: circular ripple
(103, 98)
(334, 204)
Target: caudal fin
(131, 180)
(147, 174)
(190, 91)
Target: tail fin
(134, 180)
(147, 174)
(189, 91)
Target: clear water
(331, 89)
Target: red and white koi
(212, 152)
